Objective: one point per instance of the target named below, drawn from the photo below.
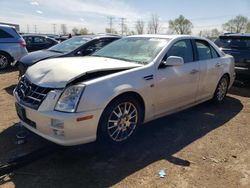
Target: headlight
(69, 99)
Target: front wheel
(221, 90)
(120, 120)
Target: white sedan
(131, 81)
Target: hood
(57, 73)
(34, 57)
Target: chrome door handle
(194, 71)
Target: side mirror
(172, 61)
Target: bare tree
(64, 29)
(236, 25)
(181, 25)
(75, 31)
(154, 24)
(139, 26)
(84, 31)
(210, 34)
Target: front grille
(30, 94)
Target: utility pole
(110, 24)
(35, 27)
(122, 24)
(54, 28)
(28, 28)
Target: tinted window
(233, 42)
(39, 40)
(182, 49)
(4, 34)
(204, 51)
(98, 45)
(28, 39)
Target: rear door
(176, 86)
(211, 68)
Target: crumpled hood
(56, 73)
(34, 57)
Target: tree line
(179, 25)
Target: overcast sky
(205, 14)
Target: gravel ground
(205, 146)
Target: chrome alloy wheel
(3, 61)
(222, 89)
(122, 121)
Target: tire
(221, 90)
(5, 61)
(117, 125)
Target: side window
(28, 40)
(98, 45)
(39, 40)
(214, 52)
(204, 50)
(4, 34)
(182, 49)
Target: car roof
(7, 26)
(99, 36)
(236, 34)
(164, 36)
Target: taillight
(23, 44)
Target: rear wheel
(120, 120)
(4, 61)
(221, 90)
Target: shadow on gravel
(9, 69)
(92, 165)
(10, 89)
(240, 90)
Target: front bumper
(62, 128)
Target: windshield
(69, 45)
(140, 50)
(233, 42)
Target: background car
(12, 46)
(108, 95)
(38, 42)
(76, 46)
(237, 45)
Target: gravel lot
(205, 146)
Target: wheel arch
(134, 94)
(6, 53)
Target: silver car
(12, 46)
(108, 95)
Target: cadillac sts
(108, 95)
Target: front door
(176, 86)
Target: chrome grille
(30, 94)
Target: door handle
(217, 65)
(194, 71)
